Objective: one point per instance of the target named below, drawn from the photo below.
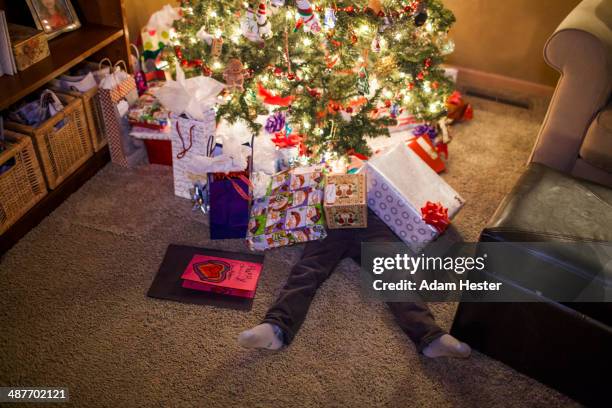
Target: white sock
(447, 346)
(262, 336)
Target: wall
(506, 37)
(502, 37)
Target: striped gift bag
(116, 100)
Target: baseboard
(499, 85)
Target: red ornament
(349, 9)
(427, 62)
(436, 215)
(388, 103)
(184, 63)
(291, 76)
(278, 71)
(435, 85)
(349, 109)
(178, 52)
(314, 92)
(410, 86)
(420, 76)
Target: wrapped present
(425, 149)
(458, 110)
(149, 113)
(291, 212)
(409, 196)
(345, 201)
(222, 275)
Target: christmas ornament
(276, 5)
(255, 25)
(329, 21)
(384, 67)
(376, 47)
(363, 82)
(420, 16)
(309, 19)
(263, 25)
(203, 35)
(216, 47)
(375, 6)
(234, 75)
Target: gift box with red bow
(345, 201)
(409, 196)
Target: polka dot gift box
(409, 196)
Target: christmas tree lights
(339, 71)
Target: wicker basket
(93, 112)
(21, 186)
(61, 151)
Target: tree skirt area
(74, 311)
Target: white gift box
(190, 139)
(399, 184)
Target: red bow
(281, 140)
(436, 215)
(270, 99)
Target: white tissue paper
(260, 181)
(234, 158)
(265, 152)
(113, 80)
(193, 96)
(163, 19)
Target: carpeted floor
(73, 309)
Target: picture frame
(54, 17)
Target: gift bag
(291, 212)
(229, 205)
(191, 139)
(117, 94)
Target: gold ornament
(385, 66)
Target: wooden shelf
(53, 200)
(67, 50)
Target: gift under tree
(336, 71)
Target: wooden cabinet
(103, 34)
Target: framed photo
(54, 17)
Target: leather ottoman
(567, 346)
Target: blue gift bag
(229, 205)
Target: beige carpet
(73, 310)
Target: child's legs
(318, 261)
(413, 317)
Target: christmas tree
(332, 72)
